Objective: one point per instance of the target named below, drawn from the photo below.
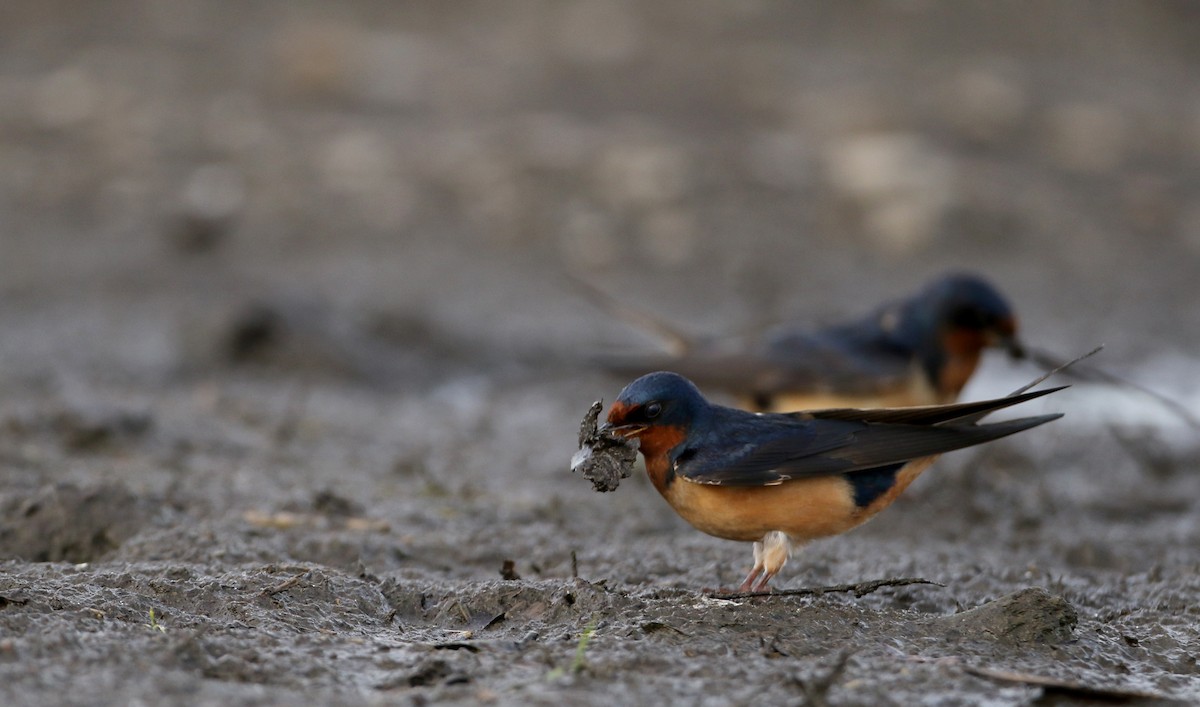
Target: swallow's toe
(770, 555)
(748, 584)
(776, 548)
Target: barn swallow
(920, 350)
(781, 480)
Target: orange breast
(805, 509)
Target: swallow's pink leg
(755, 571)
(770, 555)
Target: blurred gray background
(428, 173)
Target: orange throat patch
(963, 348)
(656, 443)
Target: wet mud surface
(291, 367)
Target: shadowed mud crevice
(68, 523)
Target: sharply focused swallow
(781, 480)
(917, 351)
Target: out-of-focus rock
(393, 68)
(901, 186)
(638, 174)
(985, 105)
(315, 57)
(555, 141)
(66, 98)
(599, 31)
(586, 237)
(841, 112)
(1086, 137)
(668, 236)
(1189, 226)
(354, 160)
(1149, 203)
(362, 168)
(212, 199)
(781, 160)
(493, 192)
(1190, 133)
(235, 122)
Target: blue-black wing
(742, 449)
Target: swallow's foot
(748, 584)
(771, 554)
(761, 586)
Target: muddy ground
(291, 365)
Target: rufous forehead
(618, 411)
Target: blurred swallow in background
(781, 480)
(920, 350)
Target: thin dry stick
(282, 586)
(1060, 368)
(1044, 358)
(859, 589)
(1065, 687)
(677, 342)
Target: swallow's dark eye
(652, 410)
(970, 318)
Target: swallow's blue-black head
(968, 305)
(661, 399)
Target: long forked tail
(958, 413)
(881, 444)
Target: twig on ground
(858, 588)
(1068, 688)
(282, 586)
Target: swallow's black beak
(1013, 347)
(626, 431)
(1004, 336)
